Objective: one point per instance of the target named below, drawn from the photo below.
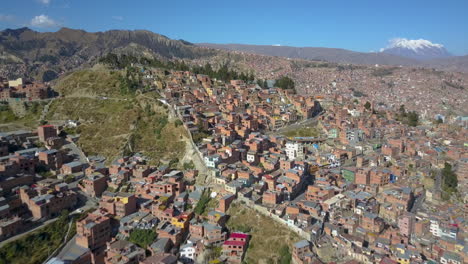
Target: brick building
(52, 159)
(93, 232)
(234, 248)
(50, 204)
(119, 204)
(94, 184)
(46, 131)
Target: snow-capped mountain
(420, 49)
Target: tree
(408, 118)
(367, 105)
(449, 178)
(201, 205)
(285, 83)
(142, 237)
(189, 165)
(402, 109)
(413, 118)
(260, 83)
(178, 123)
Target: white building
(188, 251)
(434, 228)
(294, 150)
(212, 161)
(251, 156)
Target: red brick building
(94, 184)
(119, 204)
(93, 232)
(234, 248)
(46, 131)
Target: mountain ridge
(68, 49)
(338, 55)
(46, 55)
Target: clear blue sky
(359, 25)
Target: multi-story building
(123, 252)
(119, 204)
(406, 224)
(294, 150)
(94, 184)
(52, 159)
(300, 251)
(46, 131)
(93, 232)
(43, 206)
(234, 248)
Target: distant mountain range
(25, 52)
(423, 56)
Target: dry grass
(9, 121)
(108, 125)
(97, 81)
(267, 236)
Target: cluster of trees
(358, 93)
(285, 83)
(367, 105)
(408, 118)
(201, 205)
(120, 62)
(189, 165)
(36, 246)
(131, 81)
(222, 73)
(142, 237)
(453, 85)
(262, 83)
(449, 178)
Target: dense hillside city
(131, 147)
(347, 177)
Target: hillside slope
(25, 50)
(112, 123)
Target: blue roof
(301, 244)
(74, 164)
